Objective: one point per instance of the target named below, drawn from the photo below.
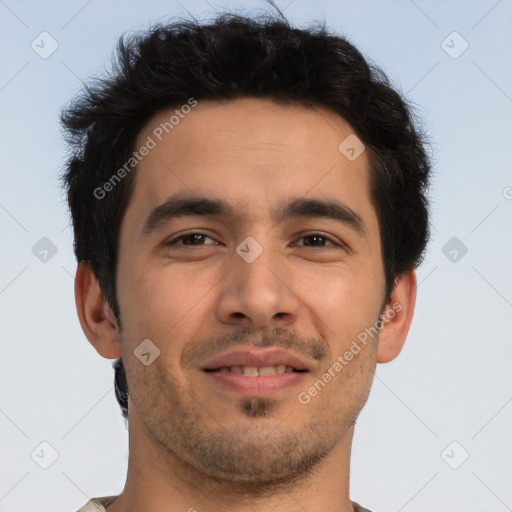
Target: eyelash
(314, 233)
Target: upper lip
(255, 358)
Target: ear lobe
(397, 317)
(96, 317)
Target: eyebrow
(180, 206)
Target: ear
(397, 317)
(96, 317)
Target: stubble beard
(254, 461)
(252, 458)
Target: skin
(195, 445)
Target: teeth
(252, 371)
(268, 370)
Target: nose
(258, 295)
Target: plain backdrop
(435, 433)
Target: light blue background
(452, 381)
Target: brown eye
(317, 240)
(195, 238)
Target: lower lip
(257, 386)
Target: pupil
(311, 237)
(196, 237)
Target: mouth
(252, 382)
(256, 373)
(253, 362)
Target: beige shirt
(99, 504)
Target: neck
(158, 481)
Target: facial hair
(255, 457)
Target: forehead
(248, 123)
(251, 152)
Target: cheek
(157, 305)
(345, 301)
(166, 304)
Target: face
(249, 289)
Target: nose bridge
(262, 272)
(255, 291)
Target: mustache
(277, 337)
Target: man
(248, 202)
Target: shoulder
(359, 508)
(98, 504)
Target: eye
(318, 240)
(195, 237)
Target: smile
(253, 371)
